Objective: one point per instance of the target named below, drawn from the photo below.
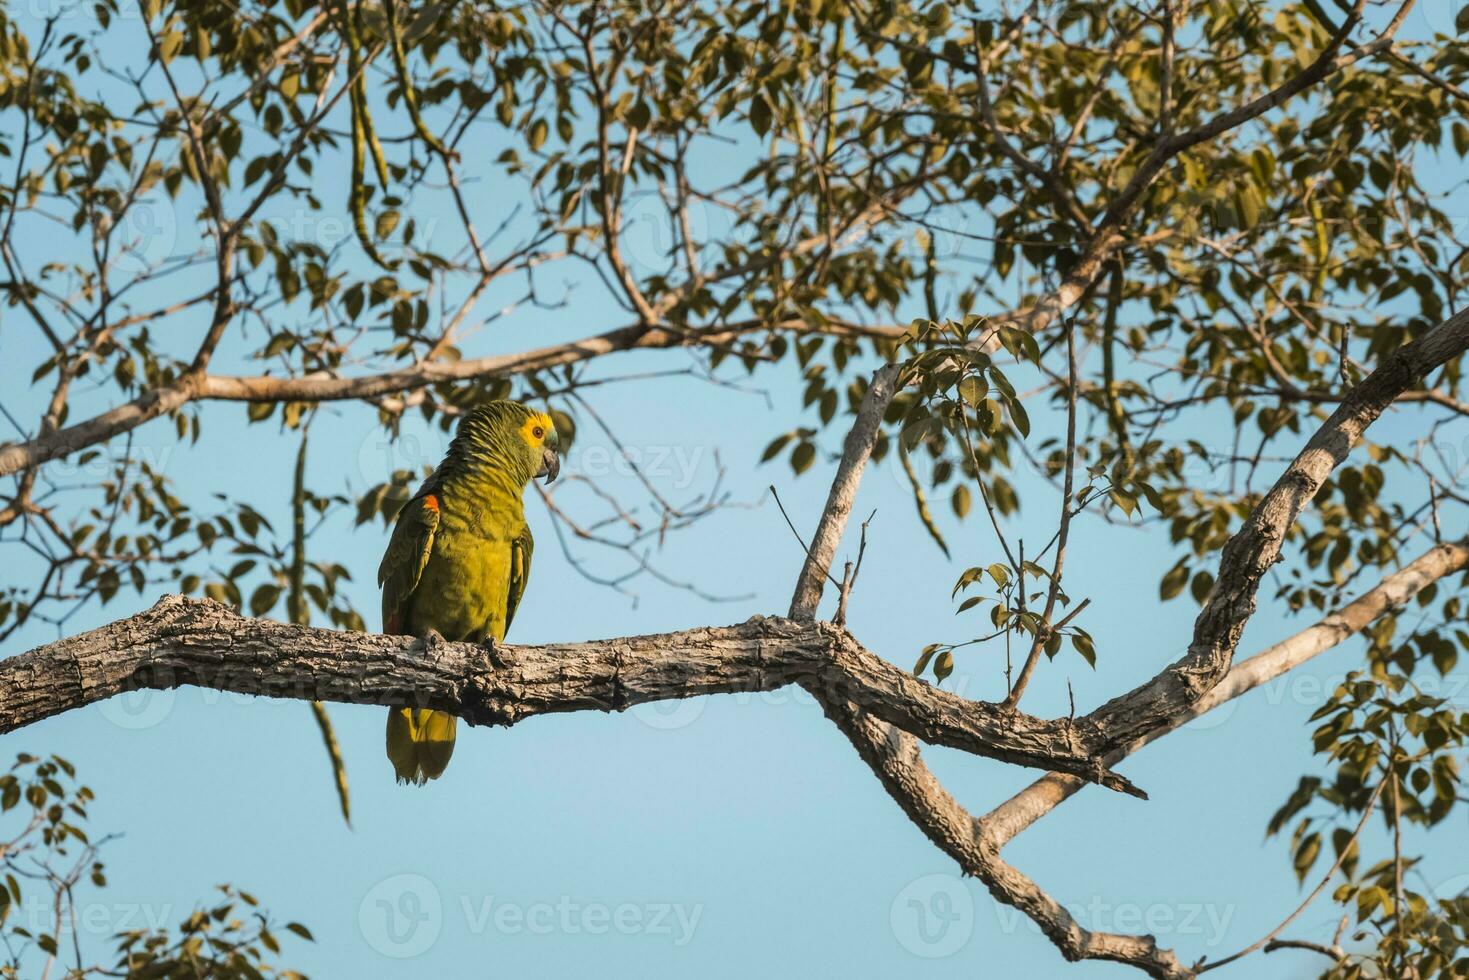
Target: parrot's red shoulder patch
(431, 502)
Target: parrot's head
(514, 436)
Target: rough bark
(198, 386)
(201, 643)
(1399, 588)
(855, 452)
(1253, 549)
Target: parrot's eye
(538, 432)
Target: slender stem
(1044, 629)
(1371, 805)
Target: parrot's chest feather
(462, 594)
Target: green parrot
(459, 558)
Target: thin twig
(1202, 967)
(799, 539)
(850, 573)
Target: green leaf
(169, 46)
(1306, 854)
(961, 500)
(760, 115)
(1173, 582)
(1082, 643)
(972, 389)
(802, 457)
(1022, 420)
(386, 222)
(924, 657)
(264, 598)
(776, 445)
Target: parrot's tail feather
(420, 743)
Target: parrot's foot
(431, 640)
(492, 653)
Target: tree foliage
(1088, 233)
(49, 860)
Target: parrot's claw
(492, 652)
(431, 639)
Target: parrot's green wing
(520, 552)
(407, 554)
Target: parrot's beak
(550, 464)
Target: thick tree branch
(1253, 549)
(895, 759)
(184, 641)
(1394, 591)
(200, 643)
(975, 843)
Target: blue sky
(719, 837)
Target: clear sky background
(719, 837)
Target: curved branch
(324, 387)
(1256, 546)
(1394, 591)
(896, 761)
(201, 643)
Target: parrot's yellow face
(539, 433)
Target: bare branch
(204, 644)
(1394, 591)
(855, 451)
